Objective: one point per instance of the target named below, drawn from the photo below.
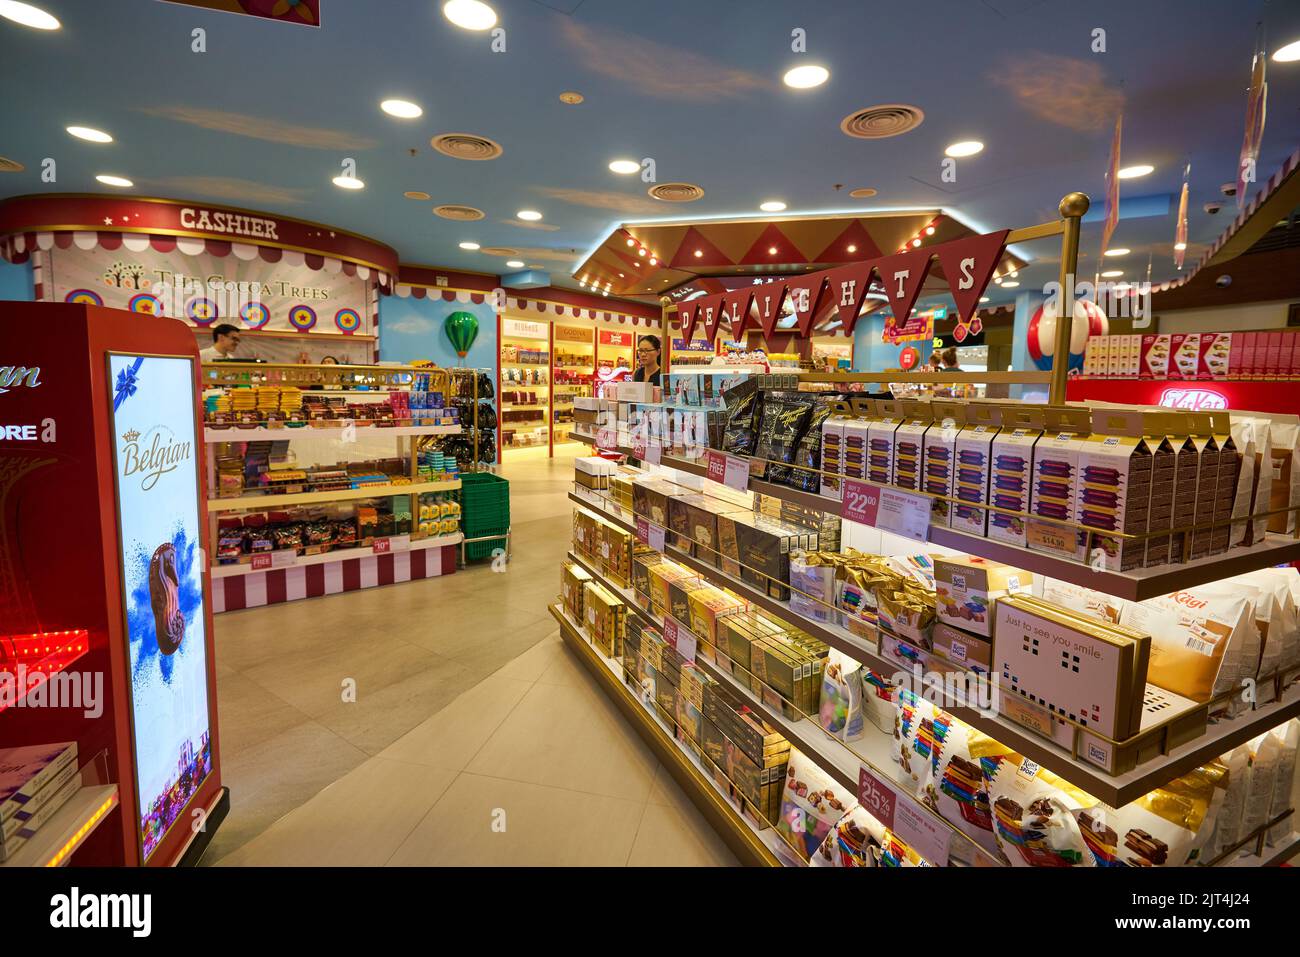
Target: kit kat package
(1216, 353)
(880, 437)
(973, 454)
(1013, 463)
(1055, 482)
(1185, 355)
(1114, 490)
(909, 438)
(940, 458)
(1155, 357)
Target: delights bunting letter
(711, 314)
(968, 265)
(846, 286)
(806, 298)
(687, 313)
(768, 299)
(903, 275)
(736, 305)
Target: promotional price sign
(653, 454)
(395, 543)
(888, 509)
(877, 797)
(679, 637)
(728, 470)
(643, 531)
(281, 558)
(922, 833)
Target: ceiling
(267, 114)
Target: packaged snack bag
(841, 698)
(855, 841)
(1159, 829)
(919, 729)
(1035, 815)
(1288, 736)
(1094, 604)
(1284, 440)
(1231, 817)
(812, 585)
(879, 696)
(957, 790)
(1265, 758)
(811, 804)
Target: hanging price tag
(728, 470)
(679, 638)
(394, 543)
(877, 797)
(888, 509)
(670, 631)
(656, 540)
(922, 833)
(643, 531)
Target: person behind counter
(949, 359)
(647, 357)
(225, 340)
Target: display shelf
(271, 501)
(42, 655)
(751, 846)
(525, 365)
(842, 762)
(1136, 585)
(930, 378)
(337, 555)
(1115, 790)
(261, 433)
(55, 841)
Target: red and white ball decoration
(1089, 320)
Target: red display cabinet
(104, 582)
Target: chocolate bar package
(880, 443)
(1055, 481)
(650, 498)
(693, 519)
(1013, 463)
(604, 619)
(1207, 482)
(708, 607)
(939, 458)
(968, 587)
(909, 438)
(743, 408)
(1165, 432)
(832, 455)
(784, 422)
(973, 454)
(805, 474)
(572, 579)
(1230, 459)
(1114, 489)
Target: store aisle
(469, 712)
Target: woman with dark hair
(949, 358)
(647, 357)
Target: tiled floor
(475, 737)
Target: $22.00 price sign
(885, 508)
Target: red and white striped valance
(402, 291)
(18, 247)
(564, 311)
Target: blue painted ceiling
(265, 117)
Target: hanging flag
(710, 315)
(768, 299)
(687, 312)
(806, 299)
(968, 265)
(1112, 187)
(1256, 106)
(846, 287)
(1180, 231)
(903, 275)
(735, 305)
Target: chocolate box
(650, 498)
(663, 578)
(857, 448)
(1207, 483)
(1113, 493)
(572, 579)
(604, 619)
(1012, 450)
(1185, 355)
(967, 588)
(1216, 354)
(1155, 357)
(1229, 472)
(1187, 467)
(1073, 666)
(973, 457)
(880, 443)
(909, 439)
(708, 607)
(759, 547)
(969, 651)
(939, 455)
(698, 516)
(833, 456)
(614, 549)
(1055, 483)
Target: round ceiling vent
(572, 97)
(865, 193)
(10, 166)
(499, 251)
(879, 122)
(466, 146)
(416, 194)
(465, 213)
(676, 192)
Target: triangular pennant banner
(968, 265)
(805, 298)
(710, 315)
(687, 313)
(768, 300)
(903, 275)
(845, 288)
(736, 307)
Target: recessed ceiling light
(772, 206)
(621, 276)
(699, 253)
(929, 230)
(806, 77)
(640, 252)
(964, 148)
(27, 15)
(1289, 53)
(866, 192)
(624, 166)
(108, 180)
(348, 182)
(1179, 247)
(470, 246)
(853, 249)
(1118, 251)
(771, 250)
(916, 242)
(530, 215)
(997, 280)
(984, 298)
(653, 261)
(89, 133)
(470, 14)
(402, 109)
(515, 263)
(1010, 285)
(1112, 273)
(1133, 172)
(416, 194)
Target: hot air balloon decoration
(462, 330)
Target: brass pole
(1073, 207)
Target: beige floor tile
(665, 790)
(530, 665)
(270, 779)
(566, 669)
(450, 738)
(358, 821)
(569, 736)
(544, 826)
(248, 715)
(484, 621)
(490, 656)
(668, 837)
